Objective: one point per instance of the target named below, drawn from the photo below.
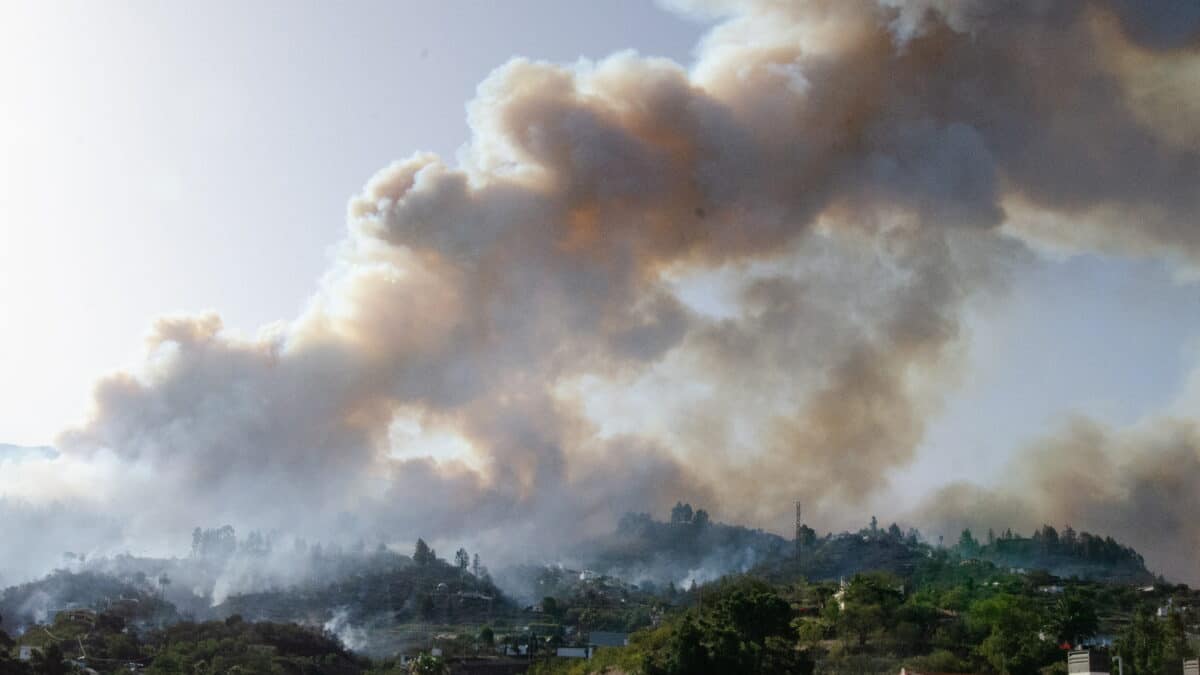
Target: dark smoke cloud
(856, 173)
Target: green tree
(1068, 539)
(940, 661)
(869, 604)
(1073, 618)
(428, 665)
(681, 513)
(967, 544)
(811, 631)
(1140, 644)
(462, 559)
(860, 620)
(912, 537)
(49, 661)
(746, 629)
(422, 554)
(1153, 646)
(808, 536)
(686, 653)
(1013, 642)
(755, 611)
(1050, 538)
(877, 588)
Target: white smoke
(355, 638)
(849, 177)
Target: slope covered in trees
(946, 615)
(421, 588)
(1069, 554)
(136, 599)
(691, 546)
(700, 596)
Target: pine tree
(423, 555)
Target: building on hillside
(25, 653)
(1166, 610)
(1191, 667)
(574, 652)
(1104, 640)
(599, 638)
(1089, 662)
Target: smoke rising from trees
(850, 176)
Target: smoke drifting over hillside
(1139, 482)
(516, 349)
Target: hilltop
(1071, 554)
(690, 546)
(642, 578)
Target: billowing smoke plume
(733, 283)
(1138, 482)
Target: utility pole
(799, 529)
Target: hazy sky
(165, 157)
(885, 275)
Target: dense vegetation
(949, 615)
(135, 599)
(871, 601)
(1080, 554)
(644, 549)
(398, 588)
(101, 642)
(691, 543)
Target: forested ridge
(873, 600)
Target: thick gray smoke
(732, 284)
(1138, 482)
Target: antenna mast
(799, 526)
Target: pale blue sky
(163, 157)
(1113, 338)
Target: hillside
(430, 591)
(689, 547)
(39, 601)
(1083, 555)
